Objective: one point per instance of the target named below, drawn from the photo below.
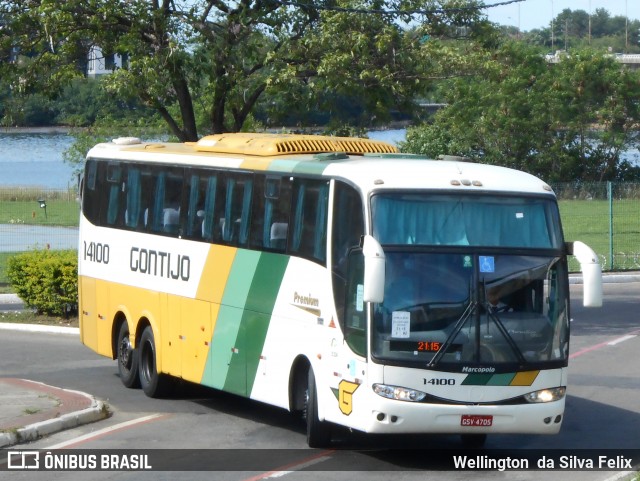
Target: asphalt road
(603, 412)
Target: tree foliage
(564, 121)
(205, 64)
(576, 29)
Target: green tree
(205, 64)
(561, 122)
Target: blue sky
(530, 14)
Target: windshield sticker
(467, 262)
(360, 298)
(400, 324)
(519, 215)
(487, 264)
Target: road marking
(105, 431)
(621, 339)
(618, 340)
(293, 467)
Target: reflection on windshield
(465, 220)
(466, 308)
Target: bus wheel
(318, 432)
(153, 384)
(473, 441)
(127, 358)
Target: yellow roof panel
(278, 144)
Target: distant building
(100, 64)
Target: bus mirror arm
(374, 264)
(591, 273)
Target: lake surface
(30, 160)
(35, 160)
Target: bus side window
(354, 311)
(91, 199)
(235, 223)
(162, 201)
(271, 214)
(114, 193)
(201, 187)
(308, 236)
(194, 222)
(134, 197)
(348, 227)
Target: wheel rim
(125, 352)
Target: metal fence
(604, 215)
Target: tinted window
(308, 235)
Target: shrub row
(46, 281)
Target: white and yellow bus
(332, 277)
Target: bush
(46, 280)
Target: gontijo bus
(332, 277)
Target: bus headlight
(546, 395)
(399, 393)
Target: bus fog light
(546, 395)
(398, 393)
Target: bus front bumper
(391, 416)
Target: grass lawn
(588, 221)
(59, 212)
(29, 317)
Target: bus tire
(153, 384)
(127, 358)
(318, 432)
(473, 441)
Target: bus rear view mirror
(591, 273)
(374, 262)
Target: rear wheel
(153, 384)
(127, 358)
(318, 432)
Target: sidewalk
(30, 410)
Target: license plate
(476, 420)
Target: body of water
(35, 160)
(28, 160)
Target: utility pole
(626, 27)
(589, 22)
(552, 28)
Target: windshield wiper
(512, 344)
(469, 311)
(456, 329)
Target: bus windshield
(470, 280)
(473, 220)
(451, 309)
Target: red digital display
(429, 346)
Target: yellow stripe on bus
(215, 273)
(525, 378)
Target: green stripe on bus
(258, 310)
(316, 168)
(477, 379)
(283, 165)
(501, 379)
(224, 349)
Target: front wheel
(318, 432)
(153, 384)
(127, 358)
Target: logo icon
(23, 460)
